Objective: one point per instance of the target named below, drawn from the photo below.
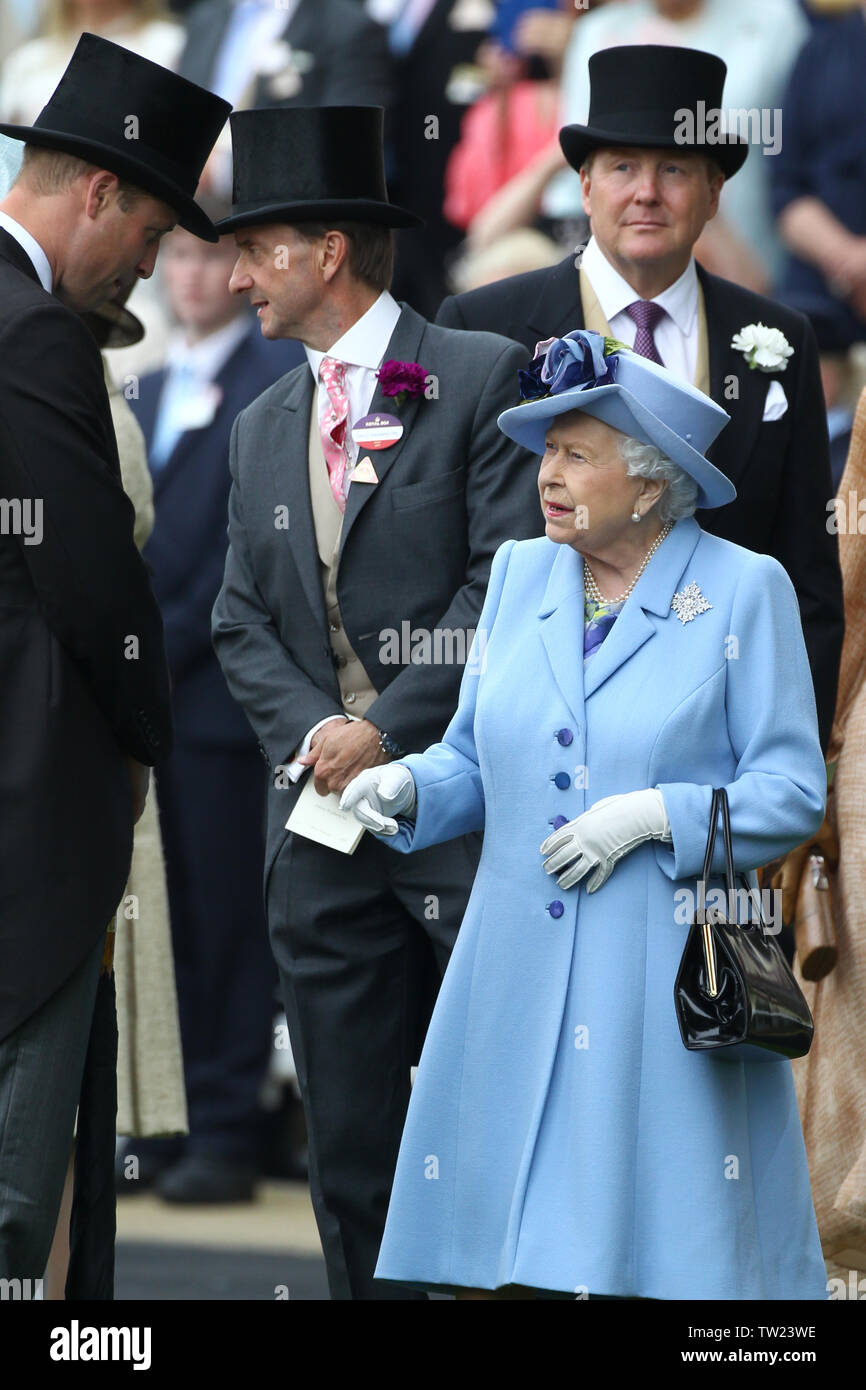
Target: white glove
(379, 794)
(603, 835)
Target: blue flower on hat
(577, 361)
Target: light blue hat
(584, 371)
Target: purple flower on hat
(402, 379)
(577, 361)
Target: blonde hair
(520, 250)
(61, 20)
(47, 172)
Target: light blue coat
(559, 1135)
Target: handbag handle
(719, 802)
(720, 799)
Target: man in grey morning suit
(322, 565)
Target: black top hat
(135, 118)
(638, 96)
(305, 163)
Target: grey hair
(680, 497)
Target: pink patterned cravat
(333, 424)
(646, 315)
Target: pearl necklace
(591, 589)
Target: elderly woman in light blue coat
(559, 1136)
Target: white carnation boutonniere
(766, 349)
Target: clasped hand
(596, 841)
(339, 750)
(376, 797)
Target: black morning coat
(83, 676)
(781, 468)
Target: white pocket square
(776, 403)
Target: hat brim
(119, 325)
(340, 209)
(189, 214)
(528, 424)
(577, 141)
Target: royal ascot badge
(284, 68)
(378, 431)
(273, 58)
(197, 410)
(689, 603)
(365, 472)
(765, 349)
(471, 16)
(285, 84)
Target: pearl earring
(635, 516)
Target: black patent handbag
(735, 994)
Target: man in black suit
(434, 43)
(648, 195)
(296, 53)
(354, 578)
(217, 363)
(85, 707)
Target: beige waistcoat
(594, 319)
(357, 691)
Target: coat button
(555, 908)
(561, 780)
(350, 698)
(558, 822)
(334, 627)
(564, 737)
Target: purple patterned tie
(646, 315)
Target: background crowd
(475, 92)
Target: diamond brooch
(689, 603)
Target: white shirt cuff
(295, 767)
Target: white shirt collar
(614, 294)
(207, 358)
(31, 246)
(365, 343)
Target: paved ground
(259, 1250)
(190, 1272)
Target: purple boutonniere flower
(402, 380)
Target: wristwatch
(390, 745)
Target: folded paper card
(320, 818)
